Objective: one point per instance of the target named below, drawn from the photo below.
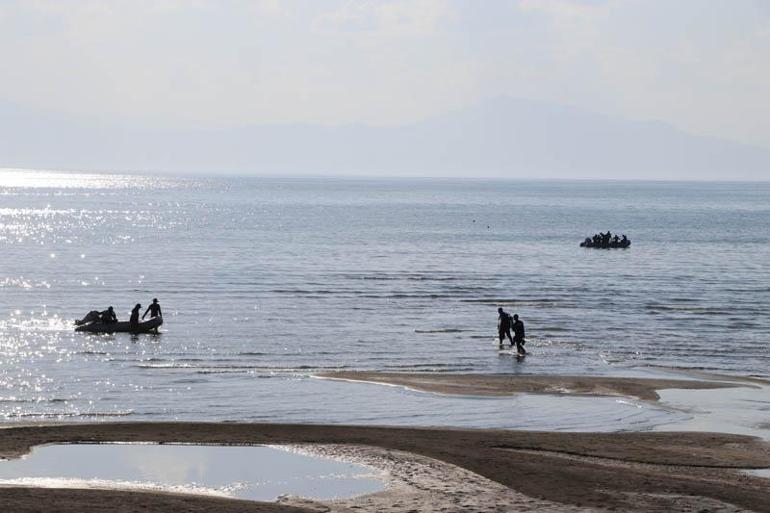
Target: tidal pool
(245, 472)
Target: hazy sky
(703, 66)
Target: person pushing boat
(133, 321)
(153, 310)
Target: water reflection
(256, 473)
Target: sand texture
(448, 470)
(506, 384)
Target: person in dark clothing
(518, 335)
(153, 310)
(504, 326)
(92, 316)
(134, 319)
(108, 316)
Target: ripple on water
(278, 278)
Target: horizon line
(316, 176)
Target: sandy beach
(502, 385)
(445, 469)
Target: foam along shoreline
(456, 469)
(505, 384)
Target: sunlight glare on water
(265, 281)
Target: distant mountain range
(502, 137)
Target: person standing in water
(503, 326)
(518, 335)
(133, 321)
(153, 309)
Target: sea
(266, 282)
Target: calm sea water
(264, 281)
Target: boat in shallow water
(150, 326)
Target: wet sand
(444, 469)
(506, 384)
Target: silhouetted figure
(518, 334)
(603, 240)
(108, 316)
(153, 309)
(92, 316)
(503, 326)
(134, 319)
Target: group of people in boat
(108, 316)
(606, 241)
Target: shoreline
(558, 471)
(499, 385)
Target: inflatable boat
(150, 326)
(612, 245)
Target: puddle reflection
(246, 472)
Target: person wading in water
(518, 335)
(504, 326)
(133, 321)
(153, 310)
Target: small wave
(169, 365)
(400, 276)
(742, 325)
(189, 381)
(697, 310)
(427, 367)
(539, 303)
(444, 330)
(68, 414)
(36, 400)
(302, 291)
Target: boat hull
(122, 327)
(612, 245)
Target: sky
(701, 66)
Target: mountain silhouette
(500, 137)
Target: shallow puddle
(741, 410)
(762, 472)
(245, 472)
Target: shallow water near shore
(741, 410)
(265, 281)
(246, 472)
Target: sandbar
(507, 384)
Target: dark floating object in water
(606, 241)
(612, 245)
(150, 326)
